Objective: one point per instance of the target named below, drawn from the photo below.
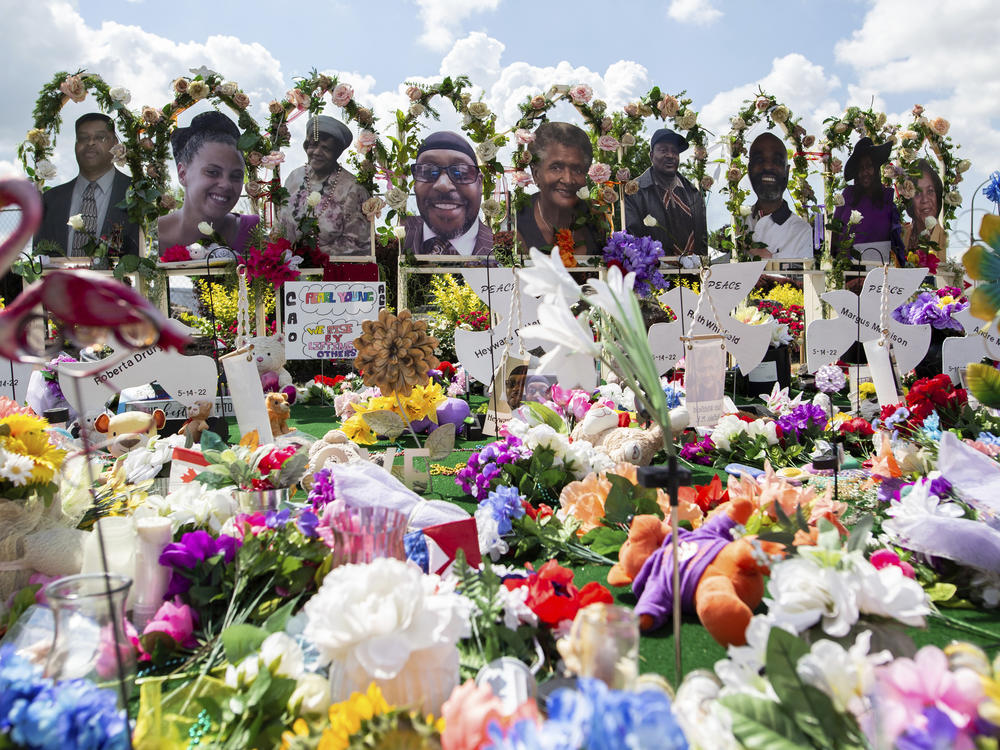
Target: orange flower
(584, 500)
(567, 246)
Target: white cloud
(699, 12)
(442, 19)
(477, 56)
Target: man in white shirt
(449, 190)
(786, 235)
(94, 194)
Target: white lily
(569, 333)
(548, 278)
(613, 295)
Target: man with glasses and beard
(784, 234)
(94, 194)
(449, 190)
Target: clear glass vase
(89, 614)
(361, 535)
(604, 643)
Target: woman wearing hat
(874, 201)
(210, 168)
(343, 229)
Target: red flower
(624, 419)
(857, 426)
(175, 253)
(275, 459)
(552, 595)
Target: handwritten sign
(859, 319)
(322, 319)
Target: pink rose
(734, 174)
(632, 109)
(581, 93)
(917, 110)
(599, 171)
(299, 99)
(579, 404)
(342, 94)
(608, 143)
(763, 103)
(623, 175)
(669, 106)
(241, 100)
(254, 158)
(520, 178)
(414, 93)
(176, 620)
(275, 107)
(468, 713)
(74, 88)
(524, 136)
(538, 102)
(272, 160)
(366, 141)
(940, 126)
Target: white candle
(151, 578)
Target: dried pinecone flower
(395, 352)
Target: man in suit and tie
(94, 194)
(449, 190)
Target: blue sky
(816, 57)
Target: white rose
(745, 210)
(45, 169)
(76, 222)
(313, 199)
(855, 218)
(399, 231)
(486, 150)
(887, 592)
(416, 109)
(120, 94)
(282, 655)
(687, 120)
(583, 193)
(838, 200)
(930, 222)
(649, 221)
(953, 198)
(396, 199)
(847, 676)
(739, 124)
(205, 228)
(311, 696)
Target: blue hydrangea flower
(505, 505)
(992, 190)
(932, 426)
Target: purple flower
(640, 255)
(307, 523)
(938, 732)
(940, 487)
(830, 379)
(803, 418)
(193, 548)
(276, 519)
(925, 309)
(322, 491)
(890, 488)
(483, 467)
(698, 451)
(504, 504)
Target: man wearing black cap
(342, 227)
(784, 234)
(670, 198)
(94, 195)
(449, 190)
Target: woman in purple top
(210, 168)
(874, 201)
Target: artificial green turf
(656, 652)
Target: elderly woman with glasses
(449, 191)
(337, 220)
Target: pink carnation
(886, 557)
(342, 94)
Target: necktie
(88, 211)
(438, 246)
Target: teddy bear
(130, 429)
(721, 580)
(277, 413)
(197, 421)
(599, 427)
(269, 356)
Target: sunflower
(394, 352)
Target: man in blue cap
(449, 190)
(670, 198)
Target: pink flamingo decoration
(87, 306)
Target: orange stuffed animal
(720, 579)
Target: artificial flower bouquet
(638, 255)
(29, 459)
(249, 466)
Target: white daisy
(17, 469)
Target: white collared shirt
(465, 244)
(102, 197)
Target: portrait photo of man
(94, 194)
(670, 198)
(449, 191)
(785, 234)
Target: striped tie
(438, 246)
(88, 211)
